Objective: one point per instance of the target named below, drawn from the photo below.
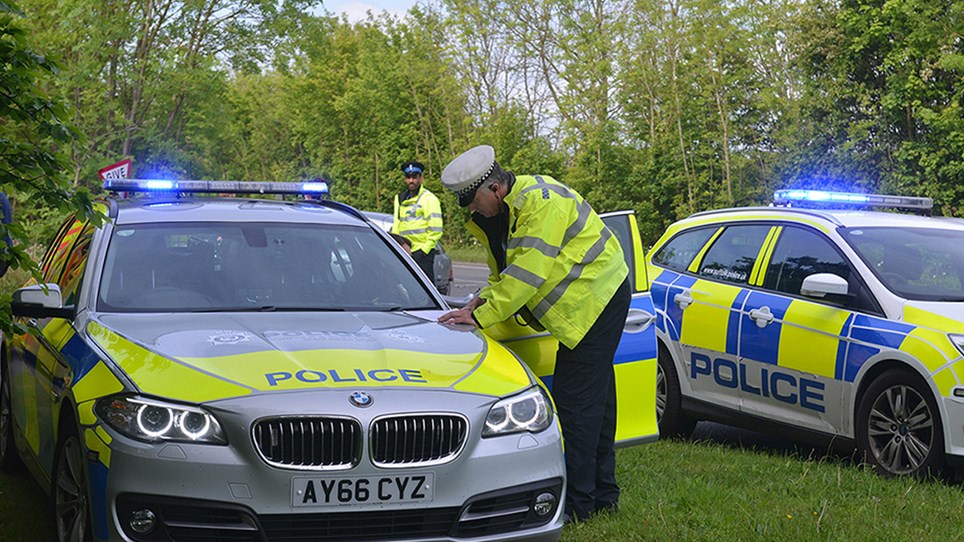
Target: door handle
(638, 320)
(683, 299)
(762, 316)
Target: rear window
(734, 253)
(678, 253)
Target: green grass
(25, 514)
(677, 490)
(680, 490)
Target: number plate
(336, 491)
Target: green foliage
(32, 131)
(665, 108)
(886, 98)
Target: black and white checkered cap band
(468, 189)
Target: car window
(679, 252)
(54, 259)
(733, 254)
(924, 264)
(619, 225)
(74, 266)
(253, 266)
(798, 254)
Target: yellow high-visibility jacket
(419, 218)
(561, 262)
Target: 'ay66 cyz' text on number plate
(332, 491)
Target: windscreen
(209, 267)
(915, 263)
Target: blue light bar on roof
(315, 187)
(214, 187)
(791, 197)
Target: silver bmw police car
(204, 368)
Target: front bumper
(954, 410)
(201, 492)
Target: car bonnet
(206, 357)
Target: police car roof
(841, 218)
(233, 209)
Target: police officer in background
(553, 261)
(418, 217)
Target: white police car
(839, 324)
(211, 369)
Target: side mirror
(40, 301)
(820, 284)
(457, 302)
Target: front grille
(360, 526)
(309, 443)
(425, 439)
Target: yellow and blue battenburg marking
(807, 337)
(87, 378)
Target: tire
(9, 460)
(70, 494)
(898, 427)
(669, 410)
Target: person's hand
(458, 316)
(463, 315)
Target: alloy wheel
(660, 393)
(5, 418)
(900, 430)
(70, 493)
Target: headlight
(154, 421)
(958, 341)
(528, 411)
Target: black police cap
(413, 168)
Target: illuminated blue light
(787, 197)
(160, 185)
(313, 188)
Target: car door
(635, 359)
(36, 361)
(793, 347)
(706, 304)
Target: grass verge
(682, 490)
(467, 253)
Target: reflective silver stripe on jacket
(523, 275)
(552, 251)
(556, 294)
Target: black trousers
(584, 390)
(426, 260)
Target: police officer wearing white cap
(418, 217)
(554, 262)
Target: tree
(31, 133)
(884, 99)
(140, 73)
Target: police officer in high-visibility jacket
(418, 217)
(555, 263)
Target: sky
(357, 9)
